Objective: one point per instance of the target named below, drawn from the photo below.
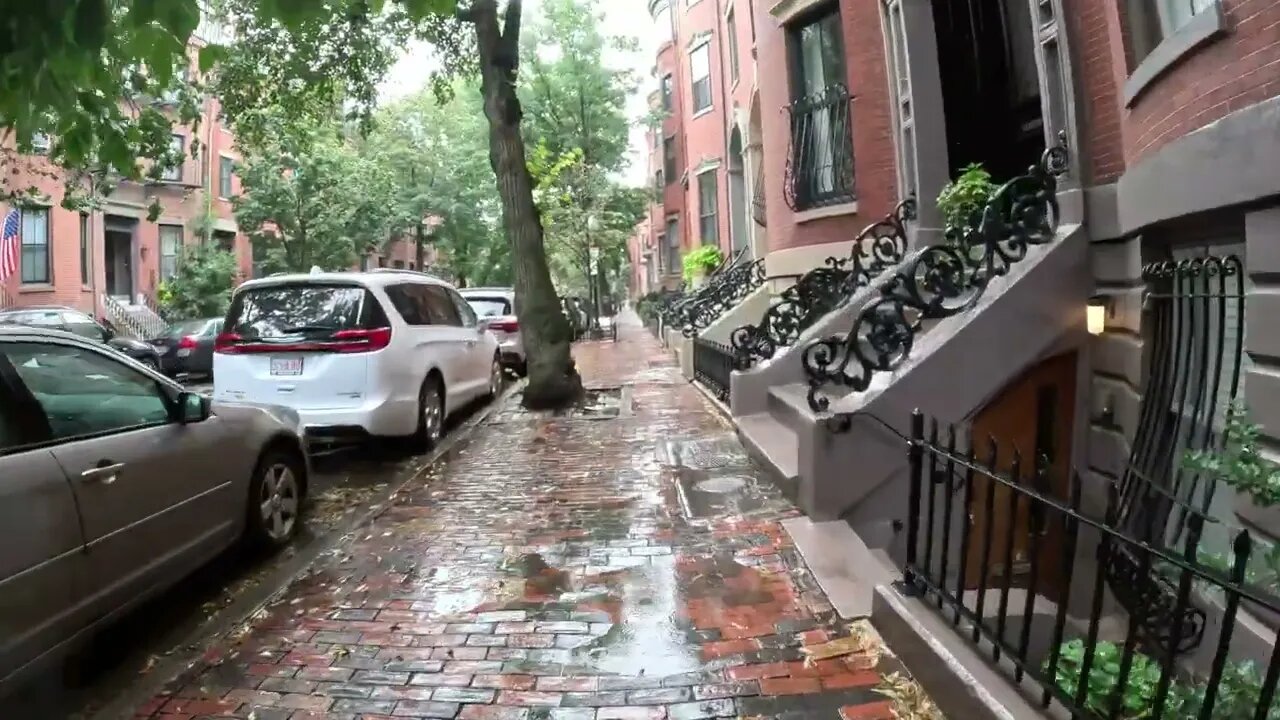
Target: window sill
(36, 288)
(819, 213)
(704, 111)
(1202, 28)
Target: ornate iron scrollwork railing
(680, 312)
(879, 246)
(720, 294)
(940, 281)
(820, 160)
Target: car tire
(276, 493)
(151, 363)
(430, 414)
(522, 368)
(495, 378)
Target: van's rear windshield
(308, 309)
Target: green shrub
(701, 261)
(962, 200)
(1239, 464)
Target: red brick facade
(875, 177)
(183, 201)
(1239, 68)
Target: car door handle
(106, 473)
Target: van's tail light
(507, 326)
(227, 343)
(342, 341)
(357, 341)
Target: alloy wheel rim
(495, 378)
(431, 414)
(278, 502)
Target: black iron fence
(939, 281)
(721, 292)
(878, 247)
(713, 366)
(820, 162)
(1003, 552)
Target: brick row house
(1100, 313)
(109, 262)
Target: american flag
(9, 242)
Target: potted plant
(699, 263)
(962, 200)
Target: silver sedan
(115, 483)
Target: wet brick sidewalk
(625, 561)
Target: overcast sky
(622, 17)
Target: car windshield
(290, 310)
(489, 306)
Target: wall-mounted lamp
(1096, 314)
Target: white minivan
(382, 353)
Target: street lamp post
(593, 272)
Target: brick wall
(873, 143)
(1234, 71)
(1096, 37)
(704, 133)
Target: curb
(192, 648)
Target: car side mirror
(192, 408)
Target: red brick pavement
(560, 567)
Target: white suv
(382, 353)
(497, 310)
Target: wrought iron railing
(758, 207)
(137, 321)
(878, 247)
(1196, 310)
(1019, 533)
(721, 293)
(820, 159)
(940, 281)
(681, 311)
(713, 366)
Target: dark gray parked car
(115, 483)
(186, 348)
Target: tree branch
(511, 32)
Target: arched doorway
(739, 231)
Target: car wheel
(275, 499)
(495, 378)
(430, 414)
(151, 363)
(522, 369)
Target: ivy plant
(1239, 464)
(1236, 697)
(962, 200)
(1104, 677)
(701, 261)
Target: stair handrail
(119, 316)
(680, 311)
(729, 288)
(6, 300)
(940, 281)
(822, 289)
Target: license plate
(286, 366)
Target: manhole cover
(721, 485)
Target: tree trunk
(553, 379)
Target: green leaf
(210, 56)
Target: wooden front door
(1034, 414)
